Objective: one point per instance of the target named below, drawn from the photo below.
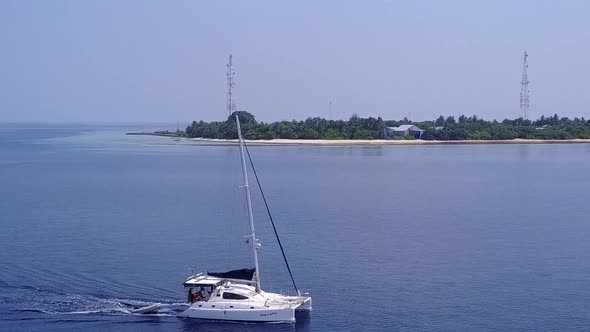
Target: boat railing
(304, 292)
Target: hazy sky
(142, 60)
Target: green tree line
(443, 128)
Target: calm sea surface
(453, 238)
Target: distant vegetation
(449, 128)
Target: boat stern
(305, 304)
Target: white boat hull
(300, 303)
(240, 315)
(305, 306)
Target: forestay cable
(270, 216)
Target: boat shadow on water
(302, 323)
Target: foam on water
(32, 299)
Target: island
(376, 131)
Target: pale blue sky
(143, 60)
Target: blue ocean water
(452, 238)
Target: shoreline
(381, 142)
(359, 142)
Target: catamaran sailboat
(236, 295)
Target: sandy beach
(324, 142)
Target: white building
(403, 130)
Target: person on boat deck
(196, 296)
(190, 295)
(203, 294)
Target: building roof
(405, 127)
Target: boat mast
(250, 214)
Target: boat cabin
(214, 288)
(201, 287)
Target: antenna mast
(231, 103)
(524, 89)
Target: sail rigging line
(270, 217)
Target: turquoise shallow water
(486, 237)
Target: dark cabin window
(233, 296)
